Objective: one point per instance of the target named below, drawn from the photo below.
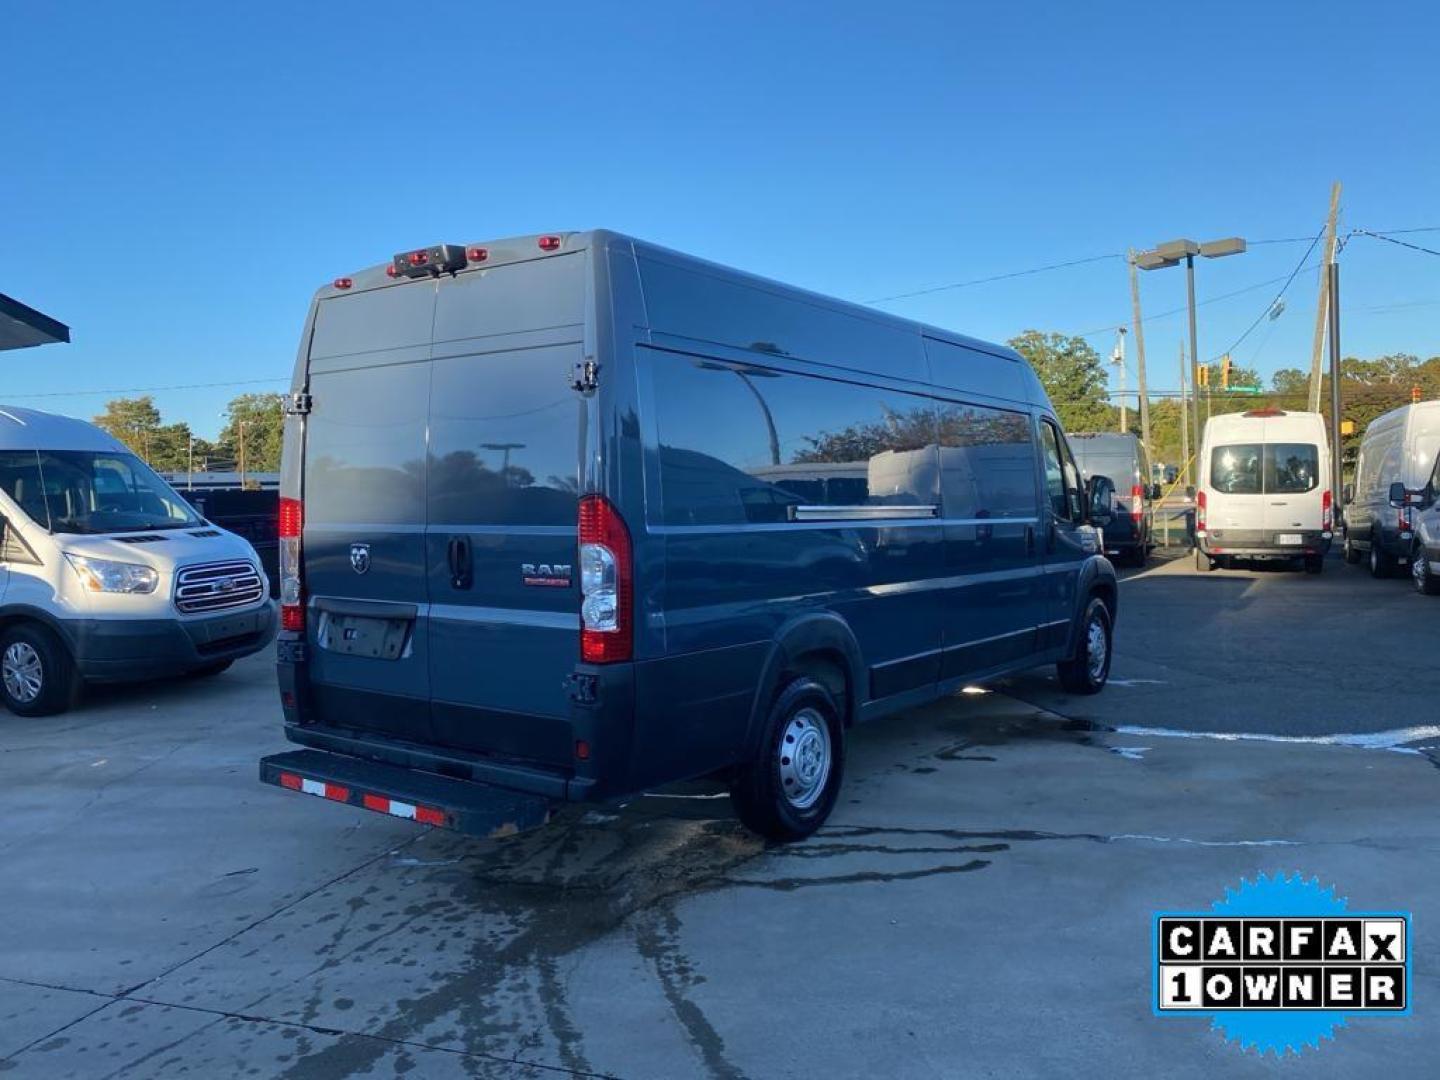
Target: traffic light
(1414, 394)
(1225, 372)
(1204, 376)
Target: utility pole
(1194, 359)
(1336, 469)
(1118, 359)
(1184, 423)
(190, 470)
(241, 425)
(1140, 357)
(1320, 308)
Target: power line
(1278, 296)
(150, 389)
(1392, 240)
(996, 277)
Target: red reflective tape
(429, 816)
(376, 802)
(336, 792)
(290, 780)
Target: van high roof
(29, 429)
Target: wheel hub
(804, 758)
(22, 672)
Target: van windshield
(80, 491)
(1268, 468)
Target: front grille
(217, 587)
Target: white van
(1264, 489)
(106, 574)
(1398, 448)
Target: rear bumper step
(460, 805)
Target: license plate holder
(1291, 539)
(363, 635)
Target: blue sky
(180, 178)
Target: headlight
(103, 575)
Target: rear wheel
(1203, 562)
(1087, 670)
(1422, 572)
(790, 787)
(1352, 553)
(1379, 562)
(37, 674)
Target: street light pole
(1194, 359)
(1118, 359)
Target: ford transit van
(1264, 489)
(1398, 447)
(1119, 456)
(108, 575)
(565, 517)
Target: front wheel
(1422, 573)
(1087, 671)
(790, 787)
(37, 674)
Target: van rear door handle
(1029, 539)
(457, 553)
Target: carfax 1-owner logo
(1281, 963)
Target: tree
(1073, 375)
(136, 422)
(263, 418)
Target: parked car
(565, 517)
(1264, 489)
(107, 574)
(1130, 534)
(1425, 554)
(1399, 447)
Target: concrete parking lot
(979, 905)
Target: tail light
(292, 592)
(1200, 513)
(1327, 512)
(1137, 507)
(606, 583)
(1406, 519)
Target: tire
(1087, 671)
(783, 795)
(1422, 573)
(1203, 562)
(1314, 564)
(37, 673)
(210, 669)
(1352, 553)
(1380, 563)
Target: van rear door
(364, 509)
(1293, 478)
(1235, 492)
(506, 431)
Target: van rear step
(462, 805)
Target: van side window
(1062, 478)
(741, 443)
(987, 462)
(20, 479)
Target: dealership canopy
(21, 326)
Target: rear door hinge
(298, 403)
(585, 377)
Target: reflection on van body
(744, 498)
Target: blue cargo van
(566, 517)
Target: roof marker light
(418, 258)
(343, 283)
(392, 270)
(549, 243)
(476, 254)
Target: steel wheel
(804, 758)
(1097, 644)
(23, 672)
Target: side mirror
(1156, 492)
(1100, 494)
(1397, 494)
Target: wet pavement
(979, 904)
